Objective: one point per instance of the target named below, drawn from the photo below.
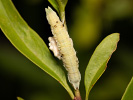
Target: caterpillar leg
(53, 47)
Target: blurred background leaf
(19, 98)
(109, 16)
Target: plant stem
(77, 95)
(62, 16)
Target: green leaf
(59, 5)
(19, 98)
(98, 61)
(28, 42)
(128, 95)
(54, 4)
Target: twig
(77, 95)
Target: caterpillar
(62, 46)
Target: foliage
(19, 98)
(33, 47)
(98, 61)
(129, 91)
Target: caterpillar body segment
(65, 48)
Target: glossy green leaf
(28, 42)
(128, 95)
(98, 61)
(19, 98)
(59, 5)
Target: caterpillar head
(52, 17)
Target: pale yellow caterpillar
(62, 46)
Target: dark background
(88, 23)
